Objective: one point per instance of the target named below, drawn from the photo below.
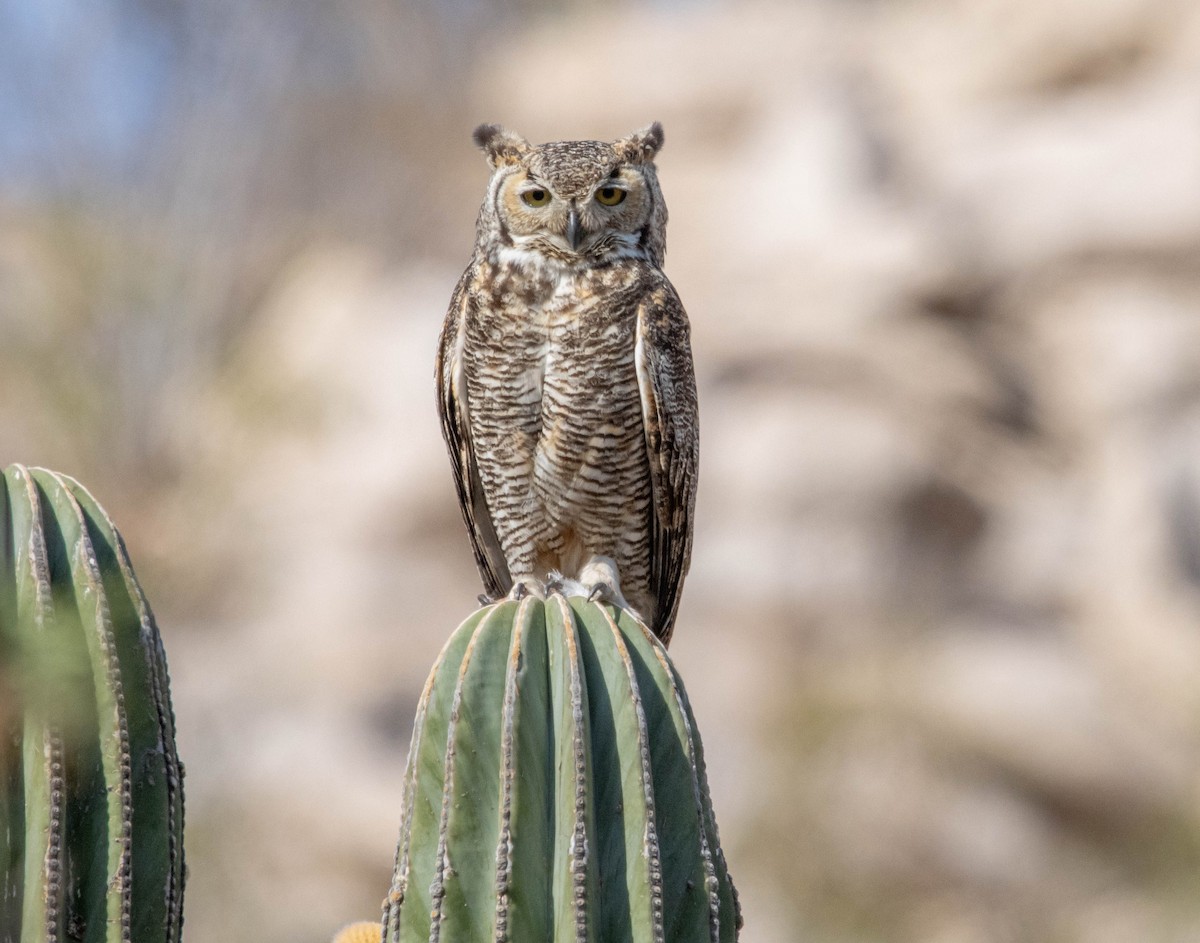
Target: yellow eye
(536, 197)
(610, 196)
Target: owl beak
(574, 230)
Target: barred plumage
(565, 379)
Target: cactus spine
(90, 783)
(556, 789)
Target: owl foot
(564, 585)
(527, 587)
(485, 599)
(601, 582)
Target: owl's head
(574, 201)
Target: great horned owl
(565, 380)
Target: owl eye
(610, 196)
(536, 197)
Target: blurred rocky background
(942, 259)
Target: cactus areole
(556, 790)
(91, 798)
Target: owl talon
(564, 585)
(528, 587)
(485, 599)
(602, 582)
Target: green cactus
(556, 789)
(90, 784)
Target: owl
(565, 381)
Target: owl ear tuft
(641, 146)
(501, 146)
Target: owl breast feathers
(565, 380)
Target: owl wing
(456, 430)
(667, 383)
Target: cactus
(556, 790)
(90, 785)
(555, 787)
